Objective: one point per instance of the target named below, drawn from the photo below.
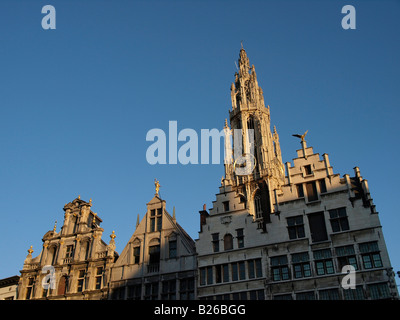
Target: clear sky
(77, 102)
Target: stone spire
(252, 118)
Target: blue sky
(76, 103)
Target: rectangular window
(152, 224)
(218, 273)
(312, 194)
(202, 276)
(135, 292)
(295, 227)
(69, 251)
(168, 290)
(254, 268)
(159, 223)
(354, 294)
(317, 226)
(370, 255)
(235, 276)
(338, 219)
(225, 271)
(309, 295)
(280, 268)
(240, 238)
(186, 289)
(215, 242)
(346, 256)
(301, 265)
(151, 291)
(323, 262)
(322, 185)
(329, 294)
(242, 270)
(379, 291)
(154, 252)
(29, 288)
(81, 280)
(136, 255)
(209, 275)
(226, 206)
(257, 295)
(172, 246)
(300, 191)
(99, 276)
(307, 169)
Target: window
(209, 275)
(379, 291)
(218, 273)
(155, 220)
(338, 218)
(317, 226)
(228, 242)
(309, 295)
(370, 255)
(206, 275)
(300, 191)
(215, 242)
(257, 294)
(283, 297)
(135, 292)
(154, 261)
(238, 271)
(257, 205)
(307, 169)
(346, 256)
(280, 269)
(354, 294)
(329, 294)
(186, 289)
(151, 291)
(322, 185)
(81, 280)
(168, 291)
(136, 255)
(240, 238)
(301, 265)
(254, 268)
(226, 206)
(99, 276)
(172, 246)
(69, 251)
(296, 227)
(225, 272)
(29, 288)
(312, 194)
(323, 262)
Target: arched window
(257, 205)
(228, 242)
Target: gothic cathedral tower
(259, 189)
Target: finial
(55, 226)
(241, 44)
(90, 201)
(157, 184)
(137, 221)
(30, 250)
(173, 214)
(113, 236)
(79, 197)
(226, 123)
